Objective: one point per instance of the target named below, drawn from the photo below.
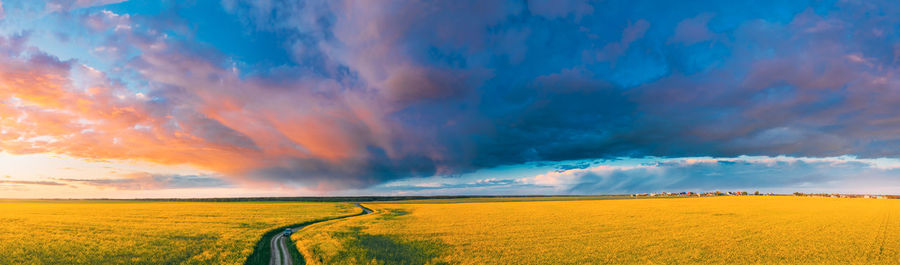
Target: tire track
(884, 232)
(281, 254)
(876, 248)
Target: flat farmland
(714, 230)
(129, 232)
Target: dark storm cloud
(368, 92)
(474, 84)
(565, 167)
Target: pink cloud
(306, 130)
(68, 5)
(631, 33)
(692, 30)
(107, 20)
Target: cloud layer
(350, 94)
(782, 174)
(146, 181)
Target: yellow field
(75, 232)
(717, 230)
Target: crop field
(109, 232)
(714, 230)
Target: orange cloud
(218, 122)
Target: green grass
(360, 247)
(262, 251)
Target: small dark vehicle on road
(288, 232)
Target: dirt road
(281, 254)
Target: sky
(227, 98)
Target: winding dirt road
(281, 254)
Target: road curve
(281, 254)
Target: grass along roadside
(344, 242)
(262, 252)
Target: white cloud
(841, 174)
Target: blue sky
(238, 97)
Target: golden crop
(717, 230)
(106, 232)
